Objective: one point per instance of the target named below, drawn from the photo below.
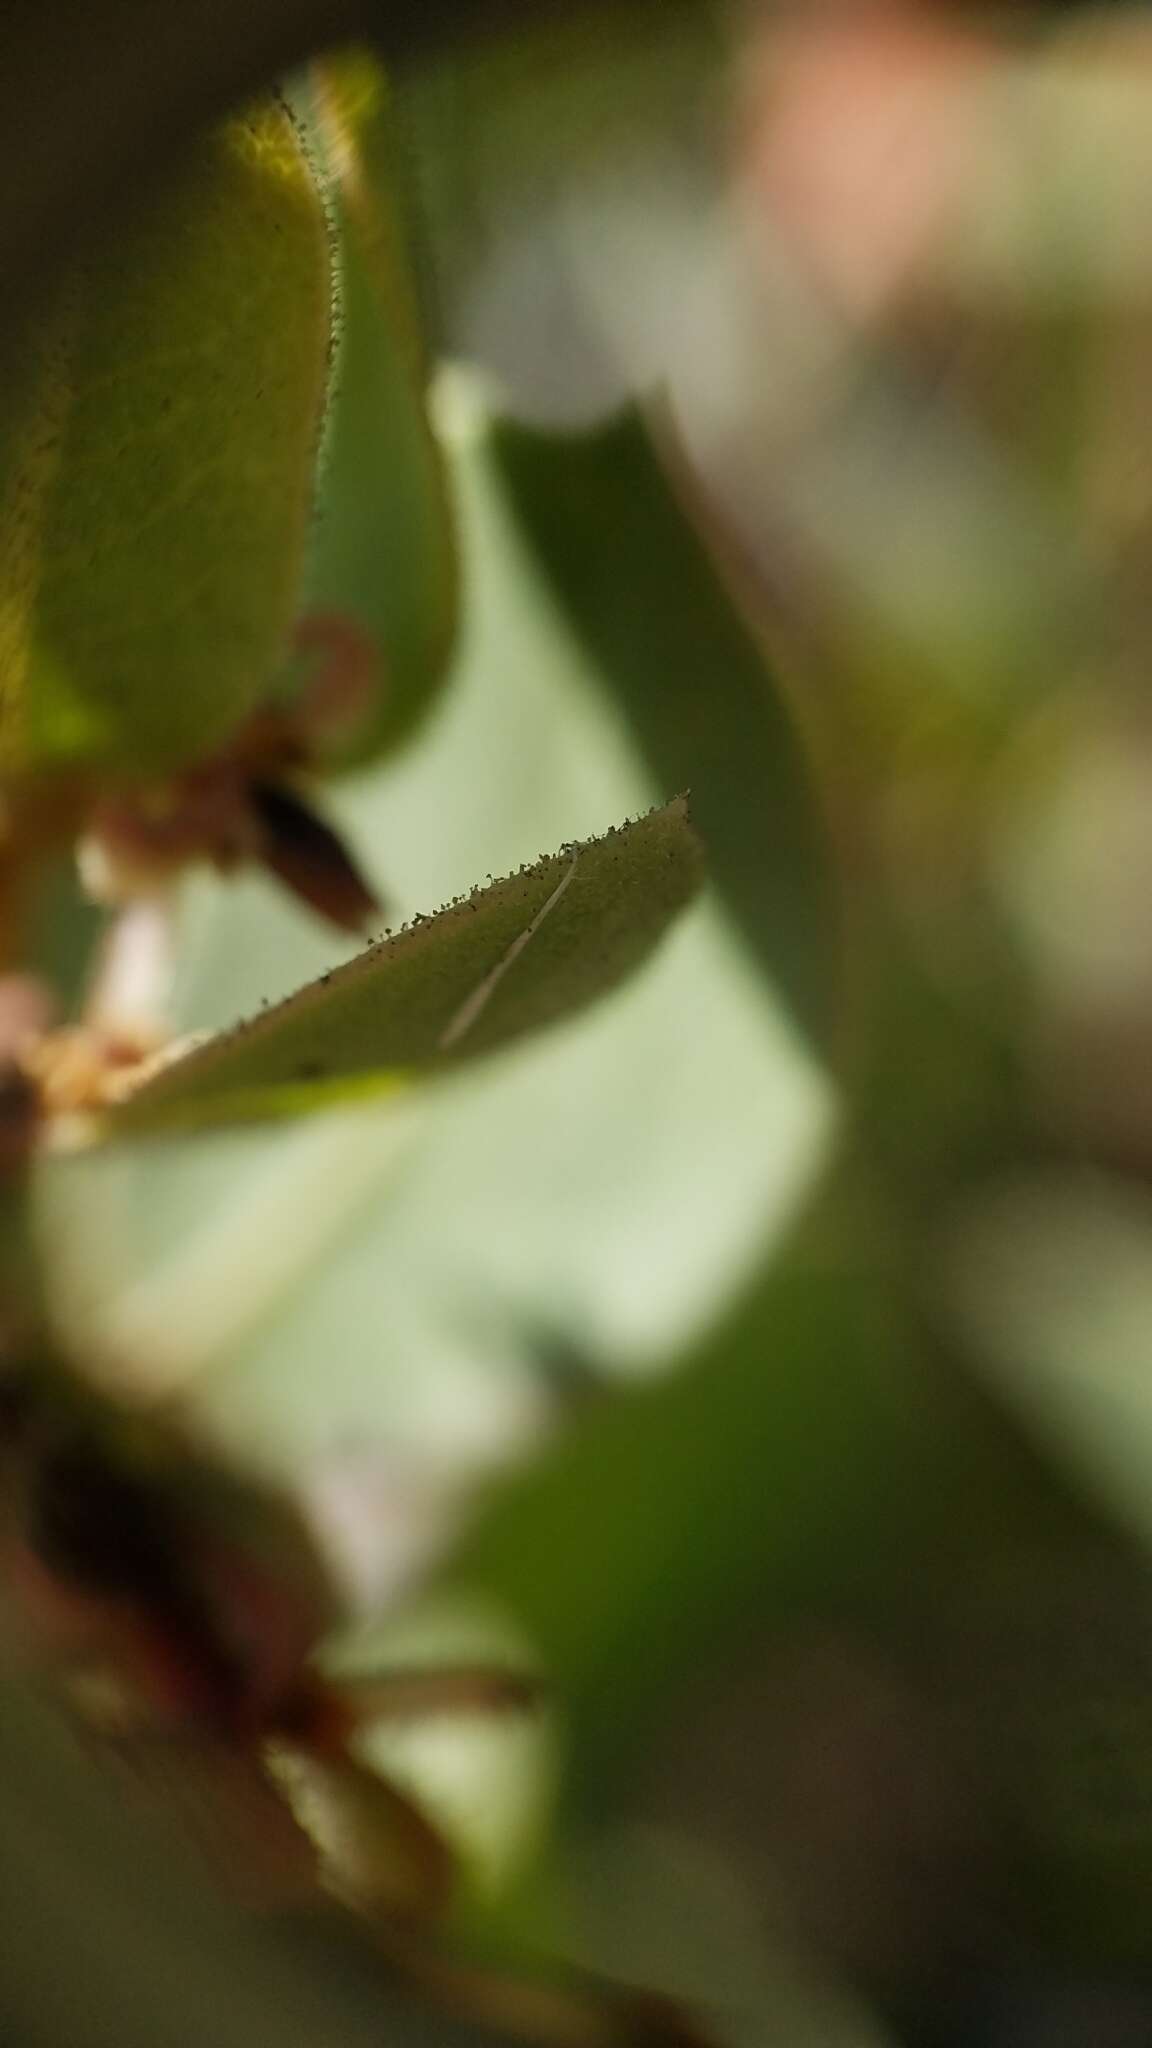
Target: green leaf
(384, 562)
(808, 1456)
(636, 585)
(499, 963)
(158, 432)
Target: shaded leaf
(158, 434)
(501, 962)
(806, 1455)
(384, 555)
(646, 604)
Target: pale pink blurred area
(895, 145)
(859, 125)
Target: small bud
(310, 858)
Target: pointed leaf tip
(506, 960)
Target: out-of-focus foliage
(733, 741)
(156, 1950)
(598, 165)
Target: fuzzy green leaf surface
(383, 564)
(506, 960)
(158, 431)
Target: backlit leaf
(158, 433)
(501, 962)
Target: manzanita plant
(806, 394)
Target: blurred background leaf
(699, 695)
(795, 1462)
